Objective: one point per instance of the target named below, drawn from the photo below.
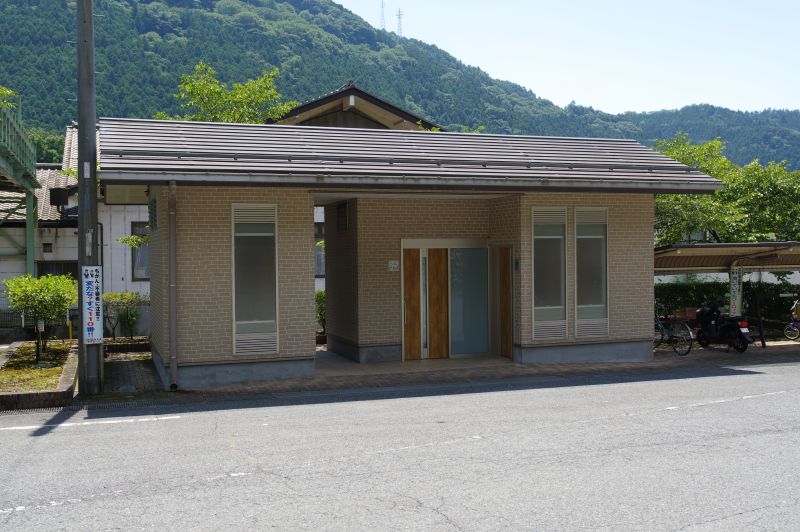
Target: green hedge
(692, 294)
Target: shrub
(120, 308)
(673, 296)
(47, 298)
(321, 309)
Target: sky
(618, 55)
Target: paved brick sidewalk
(132, 374)
(775, 353)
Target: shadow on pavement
(166, 403)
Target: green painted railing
(15, 146)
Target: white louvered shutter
(592, 326)
(548, 329)
(256, 338)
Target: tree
(759, 202)
(46, 298)
(256, 101)
(49, 146)
(7, 98)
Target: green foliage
(674, 296)
(759, 202)
(320, 301)
(49, 145)
(144, 45)
(47, 298)
(7, 98)
(256, 101)
(120, 308)
(134, 241)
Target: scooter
(718, 329)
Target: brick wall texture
(364, 299)
(381, 224)
(204, 281)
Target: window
(255, 279)
(57, 267)
(140, 257)
(47, 247)
(549, 272)
(319, 250)
(591, 271)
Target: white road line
(87, 423)
(721, 401)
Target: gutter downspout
(173, 289)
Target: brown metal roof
(713, 257)
(154, 150)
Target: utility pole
(90, 362)
(399, 23)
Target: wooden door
(504, 301)
(438, 304)
(412, 317)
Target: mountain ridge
(144, 45)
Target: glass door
(469, 300)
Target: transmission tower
(383, 15)
(399, 23)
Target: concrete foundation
(639, 351)
(365, 354)
(205, 375)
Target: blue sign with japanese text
(92, 311)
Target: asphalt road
(703, 449)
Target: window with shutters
(549, 272)
(255, 279)
(591, 271)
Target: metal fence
(10, 319)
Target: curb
(61, 396)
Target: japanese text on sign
(92, 311)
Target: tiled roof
(70, 159)
(49, 176)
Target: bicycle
(676, 333)
(792, 330)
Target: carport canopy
(722, 257)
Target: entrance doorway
(456, 299)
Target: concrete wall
(204, 282)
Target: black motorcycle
(718, 329)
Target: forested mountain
(144, 45)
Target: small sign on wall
(394, 265)
(92, 311)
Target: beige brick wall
(382, 223)
(340, 266)
(630, 262)
(205, 313)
